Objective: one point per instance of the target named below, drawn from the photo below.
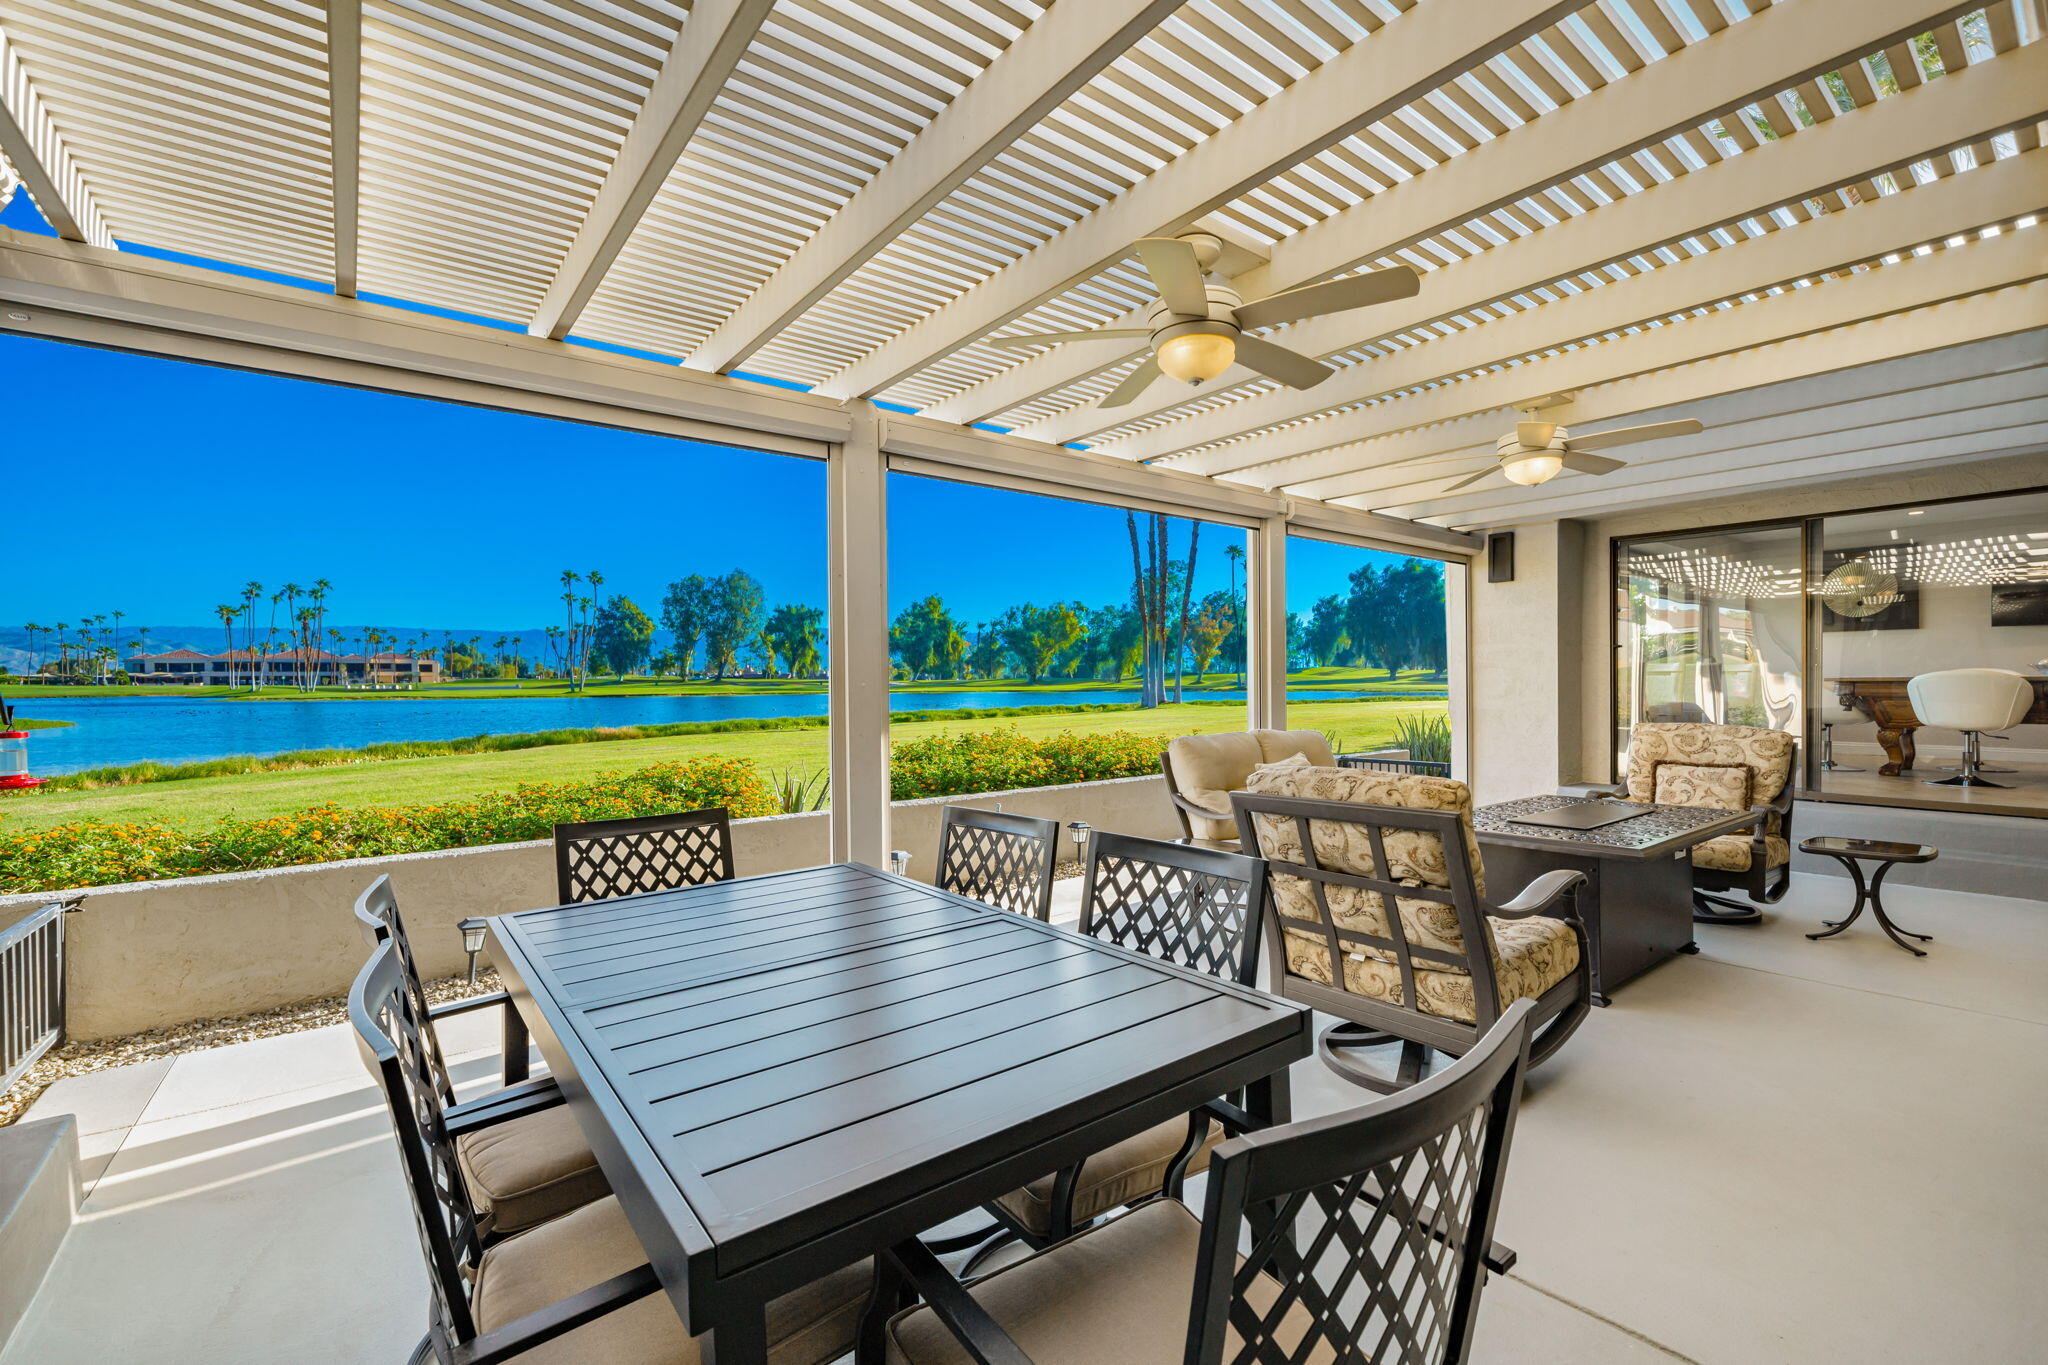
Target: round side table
(1852, 854)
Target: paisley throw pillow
(1714, 785)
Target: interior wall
(1593, 760)
(1528, 667)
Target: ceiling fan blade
(1590, 464)
(1176, 272)
(1055, 338)
(1626, 436)
(1291, 368)
(1135, 383)
(1468, 482)
(1535, 435)
(1333, 296)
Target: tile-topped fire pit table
(1637, 901)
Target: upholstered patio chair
(1362, 1236)
(1198, 908)
(1004, 860)
(522, 1156)
(1437, 973)
(574, 1288)
(597, 860)
(1202, 770)
(1723, 767)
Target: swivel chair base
(1708, 909)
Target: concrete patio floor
(1775, 1151)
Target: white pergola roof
(1650, 205)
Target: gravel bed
(77, 1059)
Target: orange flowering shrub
(1001, 759)
(99, 853)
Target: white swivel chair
(1975, 701)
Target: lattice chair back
(402, 1059)
(1340, 846)
(600, 859)
(1195, 906)
(1368, 1231)
(378, 919)
(1003, 860)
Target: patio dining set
(792, 1117)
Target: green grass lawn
(1362, 680)
(197, 802)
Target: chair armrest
(1200, 810)
(559, 1319)
(510, 1103)
(449, 1009)
(1541, 895)
(980, 1335)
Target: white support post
(1458, 661)
(1266, 631)
(858, 513)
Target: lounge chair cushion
(529, 1169)
(1731, 852)
(1766, 753)
(1207, 768)
(1118, 1293)
(1716, 786)
(1530, 956)
(1119, 1175)
(547, 1264)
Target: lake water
(123, 730)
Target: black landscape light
(473, 930)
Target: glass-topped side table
(1852, 854)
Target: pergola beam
(1790, 44)
(1410, 56)
(1988, 195)
(1847, 365)
(1049, 61)
(711, 44)
(1970, 106)
(345, 136)
(1732, 447)
(37, 152)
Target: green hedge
(997, 760)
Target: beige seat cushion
(1530, 956)
(1119, 1294)
(1208, 768)
(1731, 853)
(529, 1169)
(1766, 753)
(1122, 1174)
(524, 1274)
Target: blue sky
(427, 514)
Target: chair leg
(946, 1246)
(1967, 776)
(1337, 1041)
(1708, 909)
(1003, 1238)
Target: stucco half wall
(153, 954)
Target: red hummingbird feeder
(14, 774)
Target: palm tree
(141, 641)
(1235, 554)
(117, 637)
(227, 612)
(252, 592)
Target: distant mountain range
(530, 642)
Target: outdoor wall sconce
(473, 930)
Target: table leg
(1868, 894)
(739, 1340)
(1270, 1099)
(517, 1046)
(1898, 748)
(1884, 921)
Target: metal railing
(1421, 766)
(31, 991)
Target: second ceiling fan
(1200, 326)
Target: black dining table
(781, 1075)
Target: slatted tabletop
(784, 1073)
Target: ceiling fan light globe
(1539, 466)
(1194, 357)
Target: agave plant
(799, 792)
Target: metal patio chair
(1003, 860)
(597, 860)
(1362, 1236)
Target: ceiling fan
(1535, 451)
(1200, 326)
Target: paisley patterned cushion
(1530, 956)
(1767, 753)
(1719, 786)
(1730, 853)
(1416, 858)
